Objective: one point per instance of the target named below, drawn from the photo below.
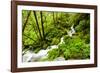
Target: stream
(32, 57)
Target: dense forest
(55, 35)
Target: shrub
(76, 48)
(52, 54)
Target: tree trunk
(37, 24)
(53, 17)
(42, 25)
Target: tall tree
(37, 24)
(41, 14)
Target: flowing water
(31, 56)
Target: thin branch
(26, 21)
(29, 38)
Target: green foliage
(55, 41)
(76, 48)
(53, 54)
(56, 25)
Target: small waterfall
(52, 47)
(72, 31)
(62, 41)
(31, 56)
